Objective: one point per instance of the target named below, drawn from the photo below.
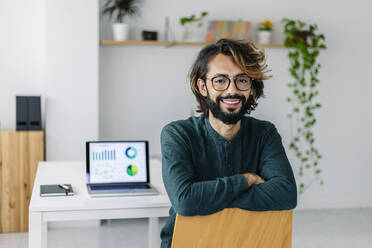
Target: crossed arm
(273, 188)
(253, 179)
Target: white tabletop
(73, 172)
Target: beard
(230, 117)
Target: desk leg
(37, 231)
(154, 234)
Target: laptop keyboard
(117, 187)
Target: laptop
(118, 168)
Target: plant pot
(264, 37)
(193, 33)
(120, 31)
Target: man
(223, 158)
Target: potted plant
(192, 27)
(264, 32)
(120, 9)
(305, 44)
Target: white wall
(22, 54)
(71, 82)
(50, 48)
(142, 88)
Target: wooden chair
(233, 227)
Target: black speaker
(28, 116)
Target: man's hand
(253, 179)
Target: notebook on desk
(118, 168)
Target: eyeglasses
(222, 82)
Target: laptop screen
(117, 162)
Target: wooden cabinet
(20, 153)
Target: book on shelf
(237, 30)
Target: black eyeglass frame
(228, 85)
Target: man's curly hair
(244, 54)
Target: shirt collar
(216, 136)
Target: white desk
(82, 207)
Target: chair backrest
(233, 227)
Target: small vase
(120, 31)
(264, 37)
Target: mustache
(236, 96)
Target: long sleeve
(188, 196)
(279, 191)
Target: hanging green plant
(304, 45)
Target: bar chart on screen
(104, 155)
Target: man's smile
(231, 102)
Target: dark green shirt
(202, 171)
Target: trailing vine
(304, 45)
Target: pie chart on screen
(132, 170)
(131, 152)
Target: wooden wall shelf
(170, 43)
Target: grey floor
(339, 228)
